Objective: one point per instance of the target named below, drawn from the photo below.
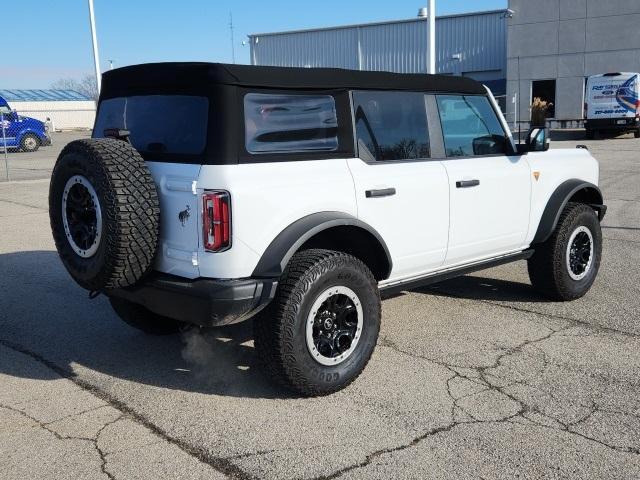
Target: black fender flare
(286, 243)
(559, 199)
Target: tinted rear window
(391, 125)
(174, 124)
(290, 123)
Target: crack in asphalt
(77, 414)
(219, 464)
(372, 456)
(484, 379)
(624, 240)
(94, 441)
(574, 321)
(13, 202)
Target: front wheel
(320, 330)
(636, 133)
(29, 143)
(565, 266)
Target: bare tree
(86, 86)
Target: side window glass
(391, 125)
(290, 123)
(470, 126)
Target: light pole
(430, 13)
(431, 21)
(96, 57)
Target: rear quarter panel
(555, 167)
(265, 199)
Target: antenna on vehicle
(233, 49)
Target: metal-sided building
(472, 45)
(554, 45)
(67, 109)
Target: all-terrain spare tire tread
(275, 327)
(130, 211)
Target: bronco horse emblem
(184, 215)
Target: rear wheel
(565, 266)
(143, 319)
(591, 134)
(319, 332)
(636, 133)
(29, 143)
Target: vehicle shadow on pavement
(45, 314)
(483, 288)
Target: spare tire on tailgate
(104, 213)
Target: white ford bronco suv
(211, 194)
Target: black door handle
(467, 183)
(382, 192)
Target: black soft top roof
(199, 77)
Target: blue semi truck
(21, 133)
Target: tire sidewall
(22, 143)
(86, 271)
(587, 218)
(322, 278)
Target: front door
(400, 191)
(489, 189)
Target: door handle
(381, 192)
(467, 183)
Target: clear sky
(45, 40)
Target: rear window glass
(391, 125)
(290, 123)
(174, 124)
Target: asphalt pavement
(477, 377)
(38, 164)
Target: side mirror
(537, 139)
(484, 145)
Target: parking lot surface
(38, 164)
(477, 377)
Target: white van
(612, 104)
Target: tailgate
(180, 219)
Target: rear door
(170, 132)
(489, 190)
(400, 190)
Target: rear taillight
(216, 220)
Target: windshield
(174, 124)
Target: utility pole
(96, 57)
(4, 141)
(431, 42)
(233, 48)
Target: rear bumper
(612, 124)
(202, 301)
